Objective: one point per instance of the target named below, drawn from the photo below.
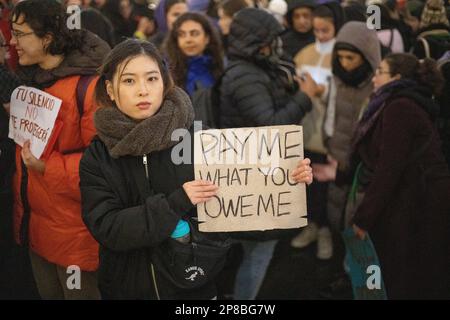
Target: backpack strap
(82, 86)
(391, 40)
(426, 47)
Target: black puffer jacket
(111, 190)
(253, 92)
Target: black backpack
(206, 102)
(82, 86)
(433, 44)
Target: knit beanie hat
(434, 13)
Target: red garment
(11, 53)
(56, 229)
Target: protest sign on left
(32, 117)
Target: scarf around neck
(124, 136)
(375, 107)
(199, 70)
(383, 93)
(355, 77)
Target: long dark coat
(406, 206)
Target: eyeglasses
(379, 71)
(19, 34)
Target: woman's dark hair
(230, 7)
(170, 4)
(323, 12)
(424, 72)
(48, 17)
(120, 56)
(179, 61)
(331, 11)
(112, 9)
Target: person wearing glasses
(401, 180)
(47, 204)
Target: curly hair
(425, 72)
(48, 17)
(179, 61)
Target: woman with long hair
(195, 52)
(135, 198)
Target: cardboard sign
(363, 267)
(32, 117)
(252, 168)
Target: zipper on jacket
(145, 162)
(154, 281)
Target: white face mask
(325, 47)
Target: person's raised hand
(307, 84)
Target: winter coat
(406, 204)
(8, 82)
(319, 66)
(349, 103)
(133, 198)
(294, 41)
(252, 91)
(47, 212)
(114, 186)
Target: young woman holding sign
(135, 198)
(46, 192)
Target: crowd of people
(374, 105)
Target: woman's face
(192, 39)
(224, 22)
(174, 12)
(323, 29)
(383, 75)
(138, 88)
(125, 8)
(349, 60)
(30, 48)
